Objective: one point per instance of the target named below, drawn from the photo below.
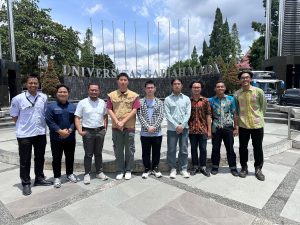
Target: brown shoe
(259, 175)
(244, 172)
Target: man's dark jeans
(257, 136)
(149, 143)
(225, 134)
(25, 148)
(201, 141)
(58, 148)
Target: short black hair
(93, 83)
(245, 71)
(32, 75)
(220, 81)
(173, 80)
(62, 85)
(196, 81)
(123, 75)
(149, 82)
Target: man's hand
(151, 129)
(235, 132)
(209, 134)
(81, 133)
(63, 133)
(120, 125)
(179, 129)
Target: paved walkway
(220, 199)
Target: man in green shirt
(251, 104)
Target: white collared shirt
(91, 112)
(31, 114)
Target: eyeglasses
(245, 78)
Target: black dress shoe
(27, 189)
(205, 172)
(234, 172)
(214, 171)
(42, 183)
(259, 175)
(193, 171)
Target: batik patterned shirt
(200, 110)
(223, 111)
(252, 106)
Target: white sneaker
(119, 176)
(128, 175)
(185, 174)
(101, 176)
(87, 179)
(145, 175)
(72, 178)
(57, 183)
(173, 173)
(156, 173)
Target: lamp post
(11, 30)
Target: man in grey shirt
(177, 112)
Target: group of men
(197, 118)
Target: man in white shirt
(92, 113)
(28, 112)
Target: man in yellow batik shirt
(251, 104)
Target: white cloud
(199, 17)
(96, 8)
(142, 11)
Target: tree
(215, 42)
(236, 46)
(205, 54)
(104, 62)
(49, 80)
(258, 47)
(226, 42)
(230, 77)
(36, 34)
(194, 56)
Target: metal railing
(291, 119)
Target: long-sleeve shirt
(199, 112)
(60, 116)
(177, 110)
(252, 107)
(151, 113)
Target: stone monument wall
(78, 85)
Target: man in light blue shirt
(28, 112)
(177, 111)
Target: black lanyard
(32, 103)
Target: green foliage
(49, 80)
(215, 41)
(36, 33)
(257, 55)
(205, 54)
(226, 43)
(236, 46)
(194, 55)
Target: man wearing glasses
(251, 109)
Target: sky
(193, 18)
